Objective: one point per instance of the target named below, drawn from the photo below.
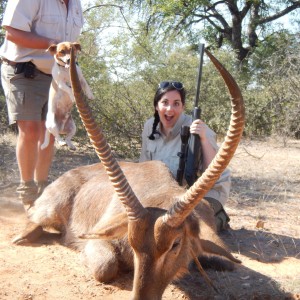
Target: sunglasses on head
(176, 84)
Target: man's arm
(27, 39)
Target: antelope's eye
(176, 243)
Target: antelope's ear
(114, 228)
(77, 46)
(52, 49)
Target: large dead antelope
(135, 215)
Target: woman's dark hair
(163, 88)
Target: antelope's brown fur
(83, 201)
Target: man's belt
(8, 62)
(14, 64)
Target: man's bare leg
(44, 157)
(33, 163)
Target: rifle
(191, 152)
(184, 134)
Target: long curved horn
(182, 208)
(133, 206)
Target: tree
(239, 24)
(135, 58)
(2, 8)
(277, 94)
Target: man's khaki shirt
(50, 19)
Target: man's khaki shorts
(26, 98)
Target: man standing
(31, 27)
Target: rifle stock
(184, 134)
(193, 153)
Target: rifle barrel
(197, 97)
(194, 152)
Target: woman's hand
(208, 152)
(198, 127)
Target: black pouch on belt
(29, 70)
(19, 68)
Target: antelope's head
(161, 239)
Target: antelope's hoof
(31, 233)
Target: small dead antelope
(139, 221)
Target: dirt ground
(265, 234)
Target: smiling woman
(169, 109)
(161, 140)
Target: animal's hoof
(70, 146)
(31, 233)
(61, 143)
(19, 240)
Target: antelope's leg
(30, 234)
